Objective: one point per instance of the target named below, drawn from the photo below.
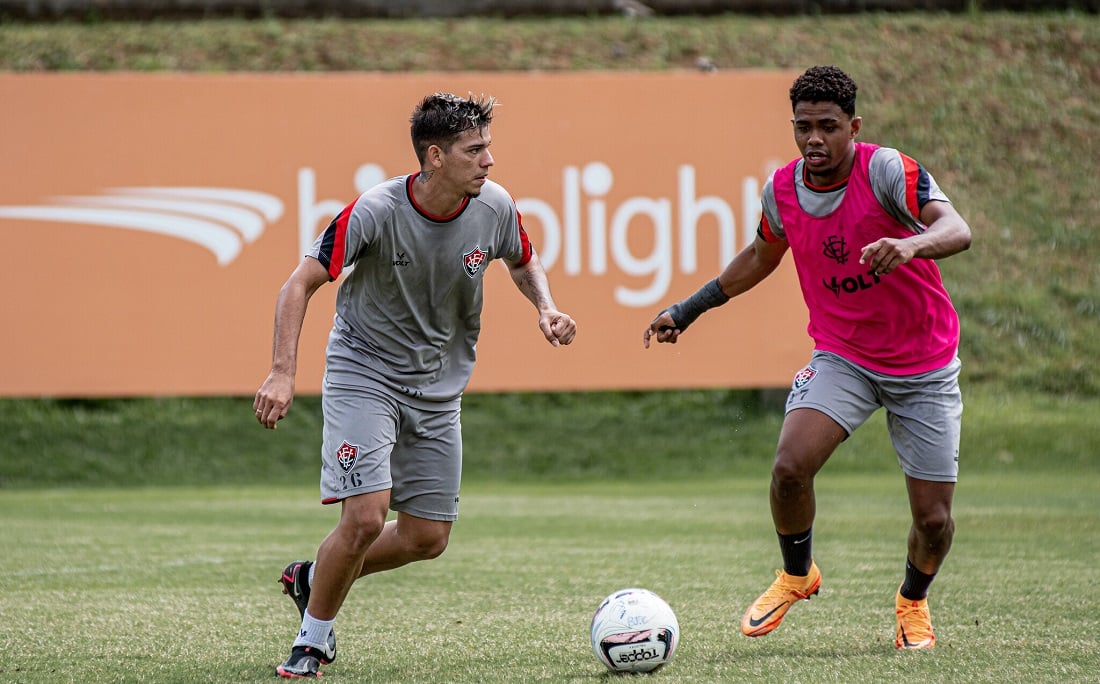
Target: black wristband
(708, 296)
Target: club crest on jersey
(804, 376)
(346, 455)
(472, 261)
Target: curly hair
(441, 118)
(825, 84)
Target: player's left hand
(559, 328)
(886, 254)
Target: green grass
(178, 584)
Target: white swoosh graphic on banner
(248, 223)
(218, 219)
(268, 205)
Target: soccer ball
(634, 630)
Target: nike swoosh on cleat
(756, 622)
(905, 641)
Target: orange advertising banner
(150, 220)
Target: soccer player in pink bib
(401, 351)
(864, 225)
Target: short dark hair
(825, 84)
(441, 117)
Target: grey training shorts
(923, 412)
(373, 442)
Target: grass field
(178, 584)
(116, 576)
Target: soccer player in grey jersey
(400, 354)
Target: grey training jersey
(408, 310)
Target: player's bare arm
(275, 396)
(947, 233)
(558, 328)
(751, 265)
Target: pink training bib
(902, 323)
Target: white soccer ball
(634, 630)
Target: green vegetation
(559, 438)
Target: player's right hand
(663, 328)
(273, 399)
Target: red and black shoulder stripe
(334, 242)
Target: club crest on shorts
(804, 376)
(346, 455)
(472, 261)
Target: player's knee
(791, 472)
(432, 550)
(935, 524)
(428, 545)
(363, 528)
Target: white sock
(314, 632)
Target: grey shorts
(373, 442)
(923, 412)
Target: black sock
(915, 586)
(797, 554)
